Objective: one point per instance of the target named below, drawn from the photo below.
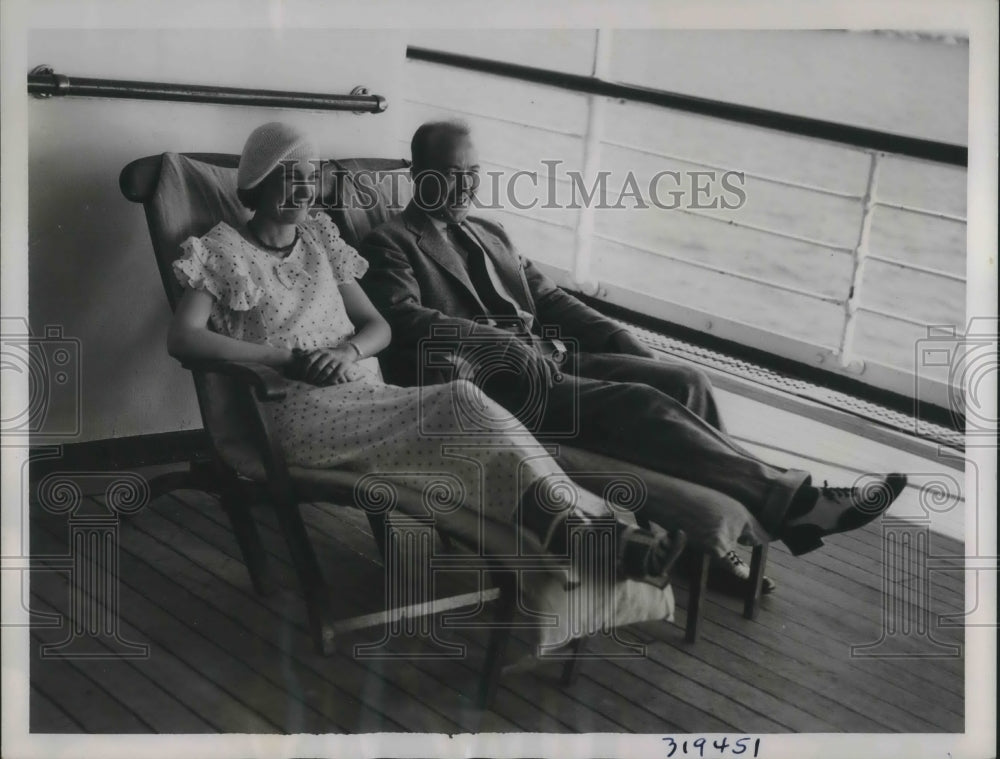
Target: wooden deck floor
(222, 659)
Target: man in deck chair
(462, 302)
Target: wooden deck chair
(186, 195)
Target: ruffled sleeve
(211, 264)
(346, 262)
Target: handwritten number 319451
(736, 748)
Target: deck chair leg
(571, 669)
(310, 575)
(696, 597)
(248, 539)
(489, 680)
(758, 560)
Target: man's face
(447, 187)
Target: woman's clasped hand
(325, 366)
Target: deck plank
(862, 578)
(219, 708)
(810, 623)
(846, 609)
(853, 614)
(863, 550)
(46, 716)
(172, 621)
(943, 549)
(266, 643)
(749, 663)
(893, 690)
(156, 707)
(860, 698)
(95, 708)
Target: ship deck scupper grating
(769, 377)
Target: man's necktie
(479, 272)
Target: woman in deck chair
(282, 291)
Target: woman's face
(288, 193)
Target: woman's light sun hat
(266, 147)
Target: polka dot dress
(413, 437)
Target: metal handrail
(43, 82)
(803, 126)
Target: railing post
(845, 353)
(583, 239)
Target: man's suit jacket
(421, 286)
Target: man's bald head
(433, 140)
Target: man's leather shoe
(839, 510)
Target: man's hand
(526, 359)
(627, 343)
(324, 366)
(490, 360)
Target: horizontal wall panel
(785, 262)
(781, 312)
(537, 240)
(534, 195)
(922, 184)
(897, 344)
(926, 298)
(760, 203)
(736, 147)
(925, 241)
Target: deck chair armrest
(268, 383)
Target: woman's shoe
(646, 556)
(727, 574)
(731, 575)
(840, 510)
